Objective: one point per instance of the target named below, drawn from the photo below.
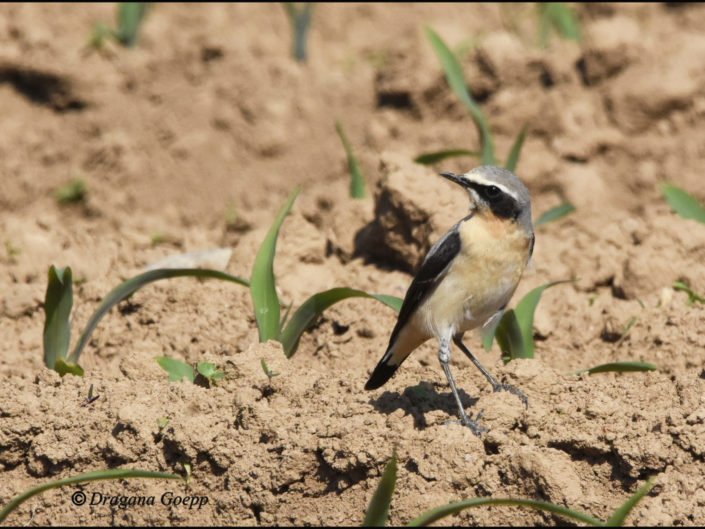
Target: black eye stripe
(493, 191)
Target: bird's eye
(493, 191)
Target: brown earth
(209, 113)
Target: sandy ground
(208, 117)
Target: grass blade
(72, 192)
(58, 302)
(617, 519)
(129, 18)
(357, 183)
(127, 288)
(300, 21)
(619, 367)
(456, 81)
(264, 295)
(438, 513)
(513, 157)
(176, 368)
(525, 314)
(554, 214)
(692, 296)
(517, 339)
(433, 157)
(81, 478)
(312, 308)
(683, 203)
(559, 16)
(509, 337)
(378, 509)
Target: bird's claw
(513, 391)
(474, 425)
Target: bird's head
(496, 191)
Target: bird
(466, 279)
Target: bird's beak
(465, 183)
(457, 178)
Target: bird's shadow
(420, 399)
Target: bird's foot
(513, 391)
(474, 425)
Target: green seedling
(262, 287)
(456, 81)
(91, 398)
(266, 301)
(162, 422)
(72, 192)
(561, 18)
(209, 371)
(300, 19)
(683, 203)
(267, 371)
(554, 214)
(514, 332)
(383, 495)
(625, 331)
(176, 368)
(435, 157)
(187, 469)
(692, 296)
(12, 251)
(117, 474)
(618, 367)
(157, 238)
(378, 509)
(357, 184)
(59, 300)
(130, 16)
(312, 308)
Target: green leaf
(62, 367)
(74, 191)
(209, 371)
(58, 301)
(176, 368)
(683, 203)
(509, 337)
(525, 314)
(130, 16)
(617, 519)
(378, 509)
(438, 513)
(81, 478)
(300, 21)
(506, 331)
(433, 157)
(264, 295)
(513, 157)
(554, 214)
(559, 16)
(127, 288)
(312, 308)
(692, 296)
(456, 81)
(619, 367)
(266, 369)
(357, 183)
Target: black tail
(381, 374)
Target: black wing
(427, 278)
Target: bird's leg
(444, 358)
(496, 386)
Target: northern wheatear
(467, 277)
